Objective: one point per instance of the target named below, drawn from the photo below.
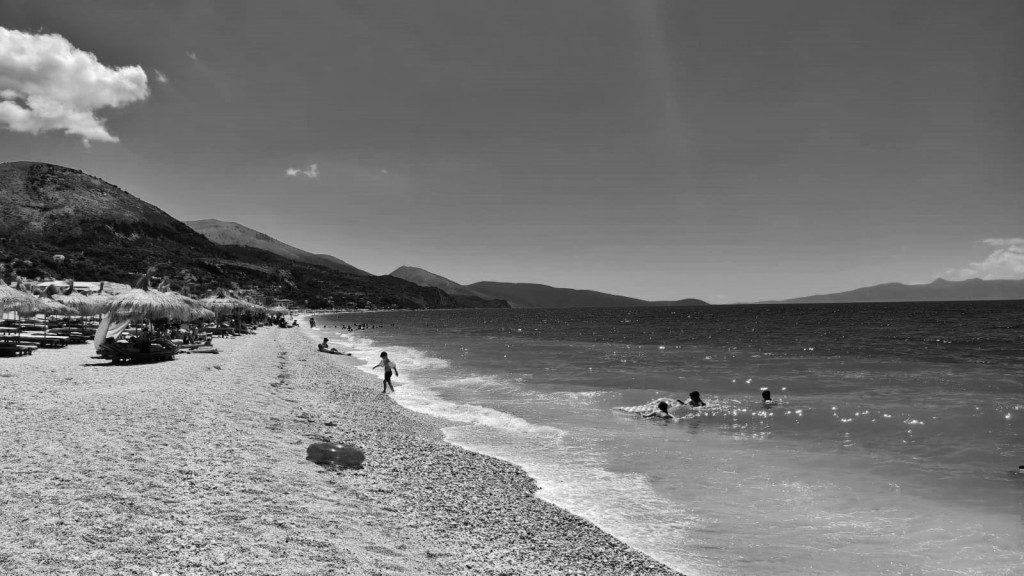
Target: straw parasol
(14, 300)
(145, 303)
(81, 304)
(198, 310)
(223, 304)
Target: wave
(424, 400)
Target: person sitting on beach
(389, 366)
(694, 400)
(661, 412)
(144, 341)
(325, 347)
(766, 398)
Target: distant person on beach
(766, 398)
(661, 412)
(325, 347)
(144, 340)
(389, 367)
(312, 322)
(694, 400)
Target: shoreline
(197, 466)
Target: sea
(894, 447)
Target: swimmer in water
(766, 398)
(661, 412)
(694, 400)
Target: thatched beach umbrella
(14, 300)
(145, 303)
(222, 304)
(47, 306)
(198, 310)
(80, 303)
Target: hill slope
(235, 234)
(105, 233)
(522, 295)
(466, 297)
(939, 290)
(425, 278)
(530, 295)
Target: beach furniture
(7, 349)
(222, 331)
(43, 340)
(122, 353)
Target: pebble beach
(197, 466)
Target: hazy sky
(723, 150)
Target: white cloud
(1004, 241)
(48, 84)
(1006, 262)
(310, 172)
(160, 76)
(192, 55)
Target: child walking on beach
(389, 366)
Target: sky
(727, 150)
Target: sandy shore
(197, 466)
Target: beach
(197, 466)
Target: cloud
(48, 84)
(192, 55)
(1006, 262)
(310, 172)
(160, 76)
(1004, 241)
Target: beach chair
(43, 340)
(121, 353)
(7, 349)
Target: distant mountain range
(58, 222)
(937, 291)
(532, 295)
(103, 232)
(234, 234)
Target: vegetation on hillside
(61, 223)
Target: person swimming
(661, 412)
(694, 400)
(766, 398)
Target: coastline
(197, 466)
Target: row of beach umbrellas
(140, 303)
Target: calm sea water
(894, 448)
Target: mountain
(470, 297)
(425, 278)
(530, 295)
(62, 223)
(938, 291)
(543, 296)
(234, 234)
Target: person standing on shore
(389, 367)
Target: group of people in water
(349, 327)
(695, 401)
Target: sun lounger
(46, 340)
(16, 349)
(126, 354)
